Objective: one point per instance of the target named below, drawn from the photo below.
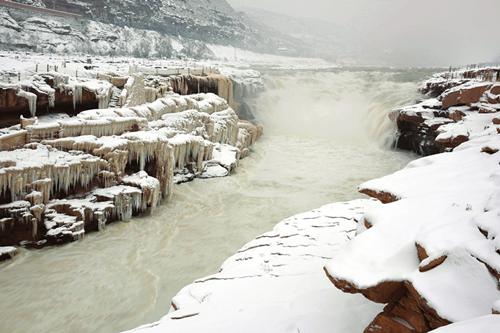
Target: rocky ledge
(61, 176)
(431, 252)
(467, 98)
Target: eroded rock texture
(442, 123)
(61, 177)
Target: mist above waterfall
(338, 105)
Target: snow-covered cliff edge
(62, 176)
(431, 252)
(461, 103)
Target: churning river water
(325, 133)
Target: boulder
(466, 95)
(385, 292)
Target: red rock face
(465, 96)
(453, 142)
(410, 313)
(406, 311)
(435, 89)
(384, 197)
(385, 324)
(495, 91)
(385, 292)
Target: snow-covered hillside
(143, 29)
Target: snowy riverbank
(430, 253)
(276, 283)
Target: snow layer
(444, 200)
(10, 250)
(484, 324)
(276, 283)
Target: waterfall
(338, 105)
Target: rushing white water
(321, 140)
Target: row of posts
(56, 69)
(203, 70)
(487, 74)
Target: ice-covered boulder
(7, 252)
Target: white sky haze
(433, 32)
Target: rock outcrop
(48, 91)
(63, 177)
(430, 252)
(440, 124)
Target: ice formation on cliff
(132, 153)
(31, 100)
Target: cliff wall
(63, 177)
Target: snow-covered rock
(132, 153)
(484, 324)
(7, 252)
(431, 252)
(464, 105)
(276, 283)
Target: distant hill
(153, 27)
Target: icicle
(52, 98)
(77, 95)
(101, 220)
(199, 158)
(31, 100)
(150, 94)
(123, 203)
